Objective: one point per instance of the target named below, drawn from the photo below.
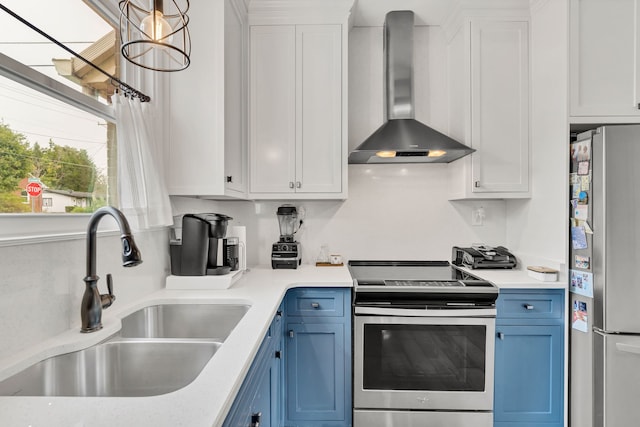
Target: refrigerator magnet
(587, 229)
(582, 261)
(581, 212)
(583, 168)
(581, 283)
(575, 191)
(583, 198)
(580, 316)
(575, 179)
(585, 182)
(578, 238)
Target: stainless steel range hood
(402, 139)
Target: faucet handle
(110, 284)
(109, 298)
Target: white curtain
(141, 187)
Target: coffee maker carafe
(197, 252)
(285, 252)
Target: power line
(47, 160)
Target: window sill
(27, 229)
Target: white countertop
(515, 279)
(204, 402)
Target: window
(57, 133)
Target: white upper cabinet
(297, 110)
(489, 108)
(207, 149)
(604, 49)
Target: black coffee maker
(196, 254)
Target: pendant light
(156, 36)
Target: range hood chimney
(402, 139)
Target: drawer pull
(529, 306)
(315, 305)
(255, 419)
(628, 348)
(291, 333)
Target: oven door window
(424, 357)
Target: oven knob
(284, 248)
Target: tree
(15, 160)
(67, 168)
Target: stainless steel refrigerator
(605, 278)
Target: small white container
(544, 274)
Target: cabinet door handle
(255, 419)
(298, 184)
(500, 335)
(291, 184)
(229, 178)
(291, 333)
(315, 305)
(529, 307)
(476, 184)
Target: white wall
(41, 284)
(393, 211)
(538, 228)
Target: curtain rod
(128, 90)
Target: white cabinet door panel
(273, 108)
(319, 149)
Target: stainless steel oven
(423, 348)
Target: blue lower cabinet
(317, 362)
(301, 375)
(529, 363)
(256, 404)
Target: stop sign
(34, 189)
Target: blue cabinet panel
(529, 365)
(315, 372)
(318, 358)
(529, 380)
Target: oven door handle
(426, 312)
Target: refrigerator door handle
(627, 348)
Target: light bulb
(386, 154)
(161, 31)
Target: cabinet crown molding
(267, 12)
(467, 9)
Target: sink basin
(115, 368)
(197, 321)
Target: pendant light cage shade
(154, 33)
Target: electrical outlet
(477, 216)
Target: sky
(36, 116)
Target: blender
(285, 252)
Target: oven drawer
(313, 303)
(544, 304)
(373, 418)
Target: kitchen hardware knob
(476, 184)
(255, 419)
(291, 333)
(291, 184)
(229, 178)
(500, 335)
(298, 184)
(529, 306)
(315, 305)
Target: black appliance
(196, 254)
(286, 253)
(483, 257)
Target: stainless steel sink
(202, 321)
(159, 349)
(115, 368)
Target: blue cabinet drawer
(531, 304)
(315, 302)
